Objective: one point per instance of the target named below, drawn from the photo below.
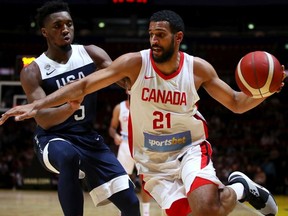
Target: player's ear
(43, 32)
(179, 36)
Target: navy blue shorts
(99, 163)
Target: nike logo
(148, 77)
(50, 72)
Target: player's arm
(236, 101)
(114, 124)
(31, 84)
(125, 66)
(99, 56)
(102, 60)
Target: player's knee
(228, 199)
(207, 209)
(70, 159)
(179, 207)
(210, 207)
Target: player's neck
(59, 56)
(170, 66)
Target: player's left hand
(285, 74)
(20, 112)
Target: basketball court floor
(45, 203)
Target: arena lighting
(22, 61)
(26, 60)
(101, 24)
(251, 26)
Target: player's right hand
(20, 112)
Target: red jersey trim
(166, 77)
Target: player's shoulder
(88, 46)
(133, 54)
(31, 68)
(91, 48)
(131, 57)
(200, 61)
(201, 64)
(203, 69)
(98, 54)
(30, 74)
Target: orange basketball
(259, 74)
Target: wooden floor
(45, 203)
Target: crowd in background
(254, 142)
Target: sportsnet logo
(167, 143)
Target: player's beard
(167, 53)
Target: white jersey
(164, 117)
(123, 118)
(124, 154)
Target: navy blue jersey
(55, 76)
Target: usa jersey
(55, 76)
(164, 119)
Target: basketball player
(168, 133)
(119, 118)
(65, 141)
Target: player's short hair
(175, 21)
(48, 8)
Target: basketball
(259, 74)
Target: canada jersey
(55, 76)
(164, 119)
(123, 118)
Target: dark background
(221, 22)
(216, 30)
(208, 23)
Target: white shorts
(125, 158)
(166, 188)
